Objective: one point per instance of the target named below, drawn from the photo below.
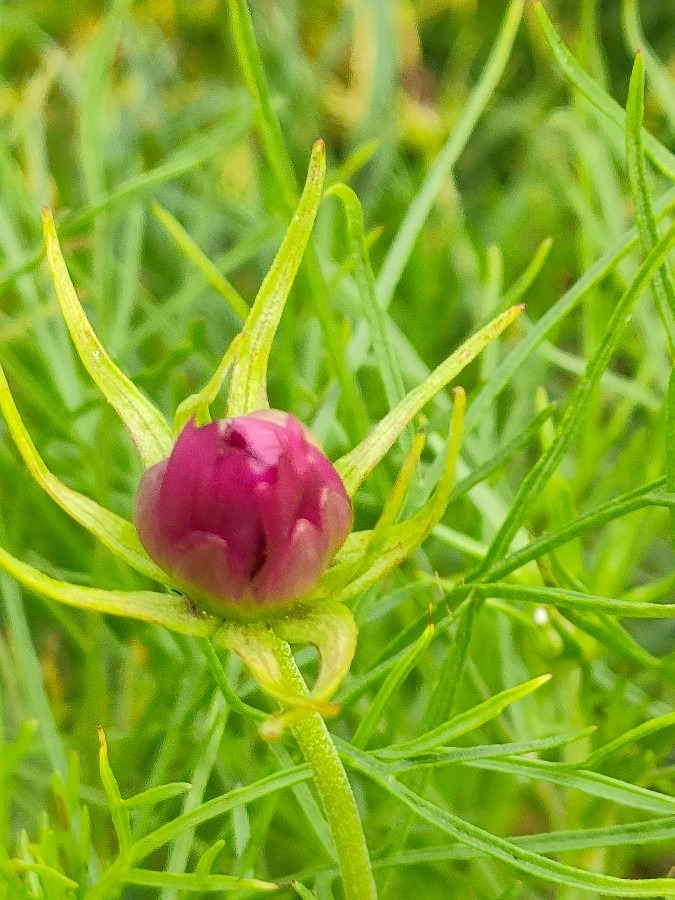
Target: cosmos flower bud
(245, 514)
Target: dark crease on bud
(245, 514)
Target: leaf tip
(48, 227)
(102, 743)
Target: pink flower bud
(245, 514)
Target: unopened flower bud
(245, 514)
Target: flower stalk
(332, 784)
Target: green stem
(334, 790)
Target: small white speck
(540, 616)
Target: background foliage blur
(92, 97)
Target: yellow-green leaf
(146, 425)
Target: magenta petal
(293, 573)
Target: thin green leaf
(525, 280)
(49, 874)
(541, 472)
(266, 122)
(248, 387)
(547, 323)
(207, 859)
(187, 881)
(418, 211)
(662, 285)
(216, 807)
(659, 76)
(464, 722)
(592, 783)
(499, 848)
(451, 755)
(200, 260)
(401, 539)
(354, 162)
(359, 462)
(636, 833)
(392, 682)
(660, 156)
(156, 795)
(628, 739)
(629, 609)
(385, 357)
(670, 444)
(632, 501)
(144, 422)
(236, 120)
(120, 815)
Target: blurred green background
(105, 108)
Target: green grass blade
(541, 472)
(660, 156)
(465, 722)
(662, 285)
(266, 122)
(499, 848)
(120, 815)
(591, 783)
(371, 719)
(188, 881)
(451, 755)
(659, 76)
(156, 795)
(609, 512)
(383, 351)
(591, 278)
(628, 609)
(200, 260)
(628, 739)
(418, 211)
(216, 807)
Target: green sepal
(365, 545)
(258, 646)
(332, 630)
(400, 540)
(173, 611)
(248, 387)
(359, 462)
(197, 405)
(112, 530)
(146, 425)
